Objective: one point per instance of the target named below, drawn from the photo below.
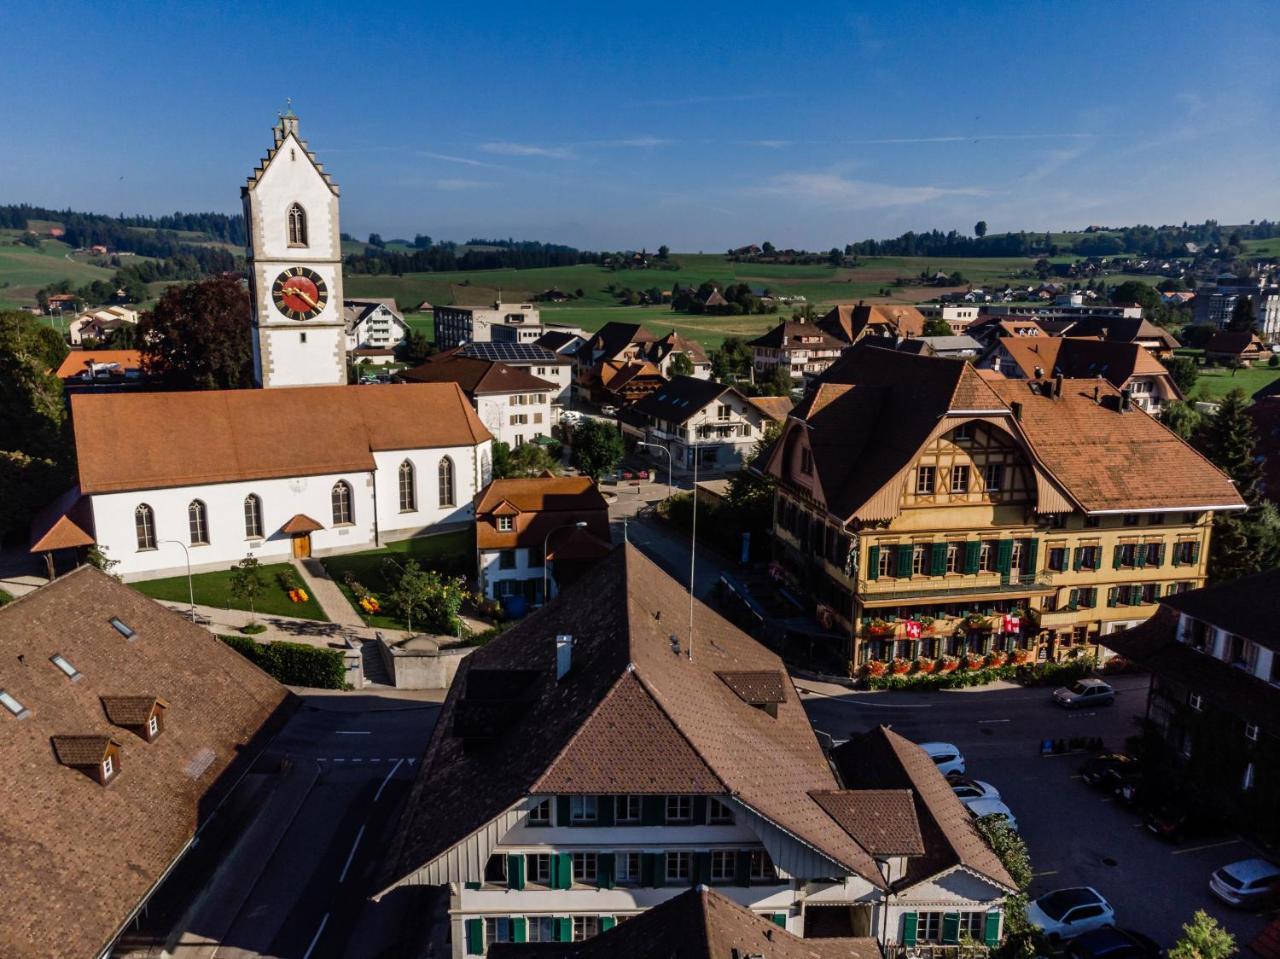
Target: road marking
(375, 760)
(352, 732)
(1047, 872)
(846, 702)
(388, 779)
(986, 722)
(1107, 799)
(1077, 776)
(352, 854)
(357, 759)
(339, 760)
(316, 938)
(1212, 845)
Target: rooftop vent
(564, 655)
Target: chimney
(564, 655)
(995, 364)
(1057, 386)
(1095, 394)
(1039, 372)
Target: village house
(1156, 340)
(375, 329)
(618, 383)
(100, 369)
(124, 726)
(615, 749)
(1244, 349)
(539, 361)
(536, 530)
(663, 351)
(958, 316)
(613, 342)
(687, 415)
(100, 324)
(802, 348)
(850, 322)
(927, 511)
(499, 323)
(514, 406)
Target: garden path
(326, 592)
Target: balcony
(937, 588)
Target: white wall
(495, 412)
(466, 484)
(491, 573)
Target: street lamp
(191, 592)
(693, 536)
(659, 446)
(581, 524)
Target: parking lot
(1076, 835)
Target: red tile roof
(477, 377)
(65, 523)
(77, 361)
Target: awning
(301, 523)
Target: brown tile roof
(78, 360)
(624, 674)
(128, 441)
(759, 686)
(680, 399)
(848, 322)
(614, 337)
(87, 855)
(673, 342)
(775, 407)
(787, 336)
(555, 502)
(883, 821)
(581, 544)
(542, 493)
(65, 523)
(1240, 344)
(1085, 358)
(77, 751)
(614, 375)
(882, 759)
(129, 711)
(699, 923)
(477, 377)
(301, 523)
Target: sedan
(966, 789)
(948, 758)
(1067, 913)
(1109, 772)
(1248, 883)
(991, 807)
(1112, 943)
(1085, 692)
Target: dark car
(1183, 819)
(1106, 772)
(1113, 943)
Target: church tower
(295, 266)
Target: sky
(698, 125)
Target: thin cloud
(465, 161)
(975, 138)
(505, 148)
(457, 183)
(1052, 161)
(833, 190)
(639, 142)
(768, 144)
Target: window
(993, 477)
(1155, 519)
(533, 558)
(806, 461)
(1127, 554)
(108, 768)
(1057, 558)
(627, 867)
(582, 809)
(297, 226)
(1015, 557)
(1247, 780)
(542, 929)
(626, 809)
(1150, 592)
(495, 869)
(919, 560)
(678, 866)
(144, 524)
(963, 432)
(408, 488)
(1155, 553)
(953, 557)
(446, 482)
(497, 929)
(1131, 519)
(197, 521)
(119, 626)
(1186, 553)
(584, 927)
(66, 667)
(924, 480)
(884, 565)
(986, 559)
(1087, 597)
(252, 517)
(153, 726)
(1191, 518)
(719, 813)
(11, 704)
(1093, 522)
(959, 479)
(584, 867)
(1195, 701)
(723, 412)
(679, 809)
(506, 524)
(761, 865)
(540, 814)
(724, 865)
(341, 498)
(540, 868)
(507, 559)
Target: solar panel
(511, 352)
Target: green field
(1215, 382)
(214, 589)
(23, 269)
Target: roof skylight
(11, 704)
(65, 665)
(122, 628)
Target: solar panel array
(511, 352)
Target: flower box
(995, 659)
(973, 662)
(925, 665)
(949, 664)
(875, 668)
(900, 667)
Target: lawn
(1216, 382)
(5, 597)
(450, 553)
(214, 589)
(23, 269)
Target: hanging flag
(1012, 624)
(914, 628)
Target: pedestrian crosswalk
(366, 759)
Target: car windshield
(1229, 879)
(1079, 688)
(1056, 904)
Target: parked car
(1067, 913)
(1248, 883)
(1112, 943)
(966, 789)
(1085, 692)
(608, 411)
(990, 807)
(1183, 819)
(948, 758)
(572, 417)
(1110, 771)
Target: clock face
(299, 293)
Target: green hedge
(1039, 674)
(294, 664)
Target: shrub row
(1038, 674)
(294, 664)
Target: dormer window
(12, 704)
(63, 664)
(108, 768)
(98, 757)
(506, 524)
(141, 715)
(153, 726)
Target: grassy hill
(25, 269)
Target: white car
(1248, 883)
(572, 417)
(990, 807)
(966, 789)
(608, 411)
(948, 759)
(1066, 913)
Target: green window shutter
(779, 919)
(1115, 556)
(1140, 555)
(604, 810)
(515, 872)
(950, 928)
(873, 562)
(1004, 556)
(971, 550)
(991, 929)
(653, 810)
(1079, 559)
(910, 923)
(604, 870)
(607, 923)
(519, 929)
(475, 937)
(701, 868)
(1073, 598)
(562, 871)
(648, 869)
(562, 810)
(1112, 596)
(938, 561)
(1160, 554)
(1031, 556)
(904, 561)
(699, 810)
(659, 868)
(471, 885)
(1195, 552)
(564, 929)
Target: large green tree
(1243, 318)
(1135, 291)
(681, 365)
(1203, 938)
(1184, 371)
(733, 359)
(199, 336)
(597, 447)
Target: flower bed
(947, 675)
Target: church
(304, 464)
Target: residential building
(374, 327)
(929, 511)
(546, 364)
(850, 322)
(613, 342)
(1156, 340)
(663, 351)
(958, 316)
(499, 323)
(621, 382)
(99, 325)
(775, 408)
(1213, 712)
(100, 369)
(1243, 348)
(272, 473)
(513, 405)
(687, 415)
(802, 348)
(614, 749)
(961, 347)
(527, 534)
(124, 727)
(565, 342)
(1126, 366)
(1215, 303)
(1070, 310)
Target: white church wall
(296, 353)
(395, 524)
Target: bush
(253, 629)
(293, 664)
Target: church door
(301, 545)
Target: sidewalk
(326, 592)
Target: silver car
(1085, 692)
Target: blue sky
(696, 125)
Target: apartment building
(798, 346)
(499, 323)
(512, 404)
(928, 511)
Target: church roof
(287, 127)
(128, 441)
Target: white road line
(378, 794)
(352, 732)
(1212, 845)
(846, 702)
(339, 759)
(316, 938)
(1047, 872)
(357, 759)
(988, 722)
(351, 855)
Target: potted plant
(995, 658)
(927, 624)
(926, 665)
(875, 668)
(1020, 657)
(900, 667)
(973, 661)
(879, 627)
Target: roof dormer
(761, 689)
(98, 757)
(142, 715)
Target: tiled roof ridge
(652, 693)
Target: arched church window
(446, 482)
(252, 517)
(408, 488)
(341, 503)
(144, 521)
(297, 226)
(198, 522)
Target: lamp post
(693, 536)
(191, 592)
(581, 524)
(659, 446)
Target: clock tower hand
(304, 295)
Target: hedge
(1039, 674)
(294, 664)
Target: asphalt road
(1076, 836)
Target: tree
(1135, 291)
(375, 239)
(1184, 371)
(125, 337)
(425, 595)
(528, 459)
(767, 248)
(247, 583)
(1243, 319)
(681, 365)
(733, 359)
(936, 326)
(980, 229)
(664, 251)
(199, 336)
(415, 348)
(777, 383)
(1183, 418)
(1203, 938)
(597, 447)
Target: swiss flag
(913, 629)
(1012, 624)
